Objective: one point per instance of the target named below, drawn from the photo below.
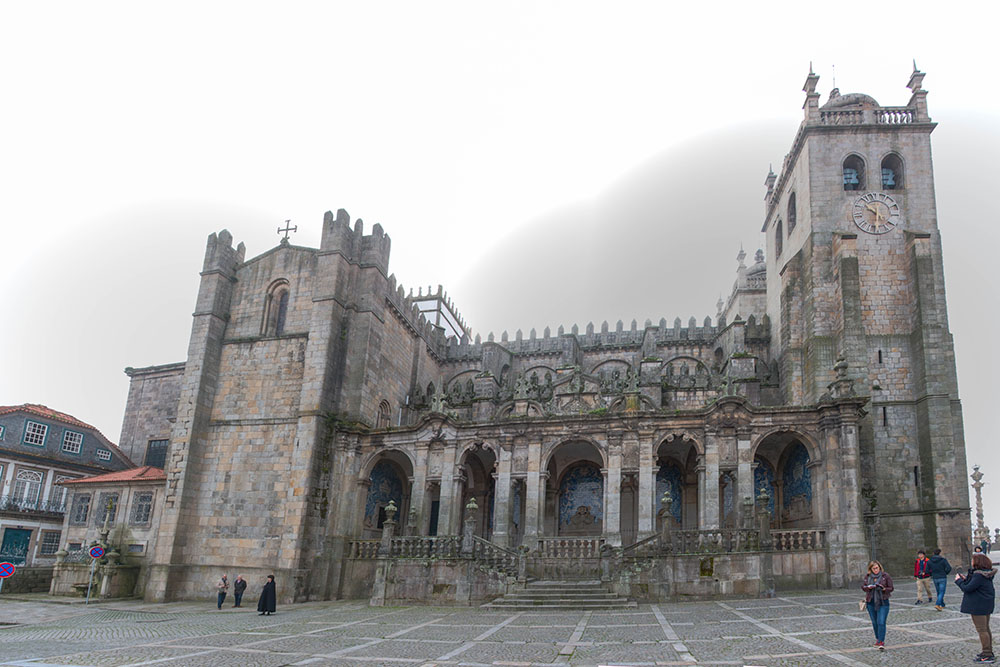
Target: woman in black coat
(268, 597)
(978, 600)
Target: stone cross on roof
(288, 228)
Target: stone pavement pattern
(820, 628)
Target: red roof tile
(142, 474)
(43, 411)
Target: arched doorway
(784, 468)
(476, 465)
(676, 473)
(388, 480)
(574, 499)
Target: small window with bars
(142, 508)
(34, 434)
(136, 548)
(104, 454)
(72, 442)
(50, 543)
(74, 546)
(81, 508)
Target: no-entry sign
(96, 552)
(6, 570)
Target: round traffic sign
(96, 552)
(6, 570)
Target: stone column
(501, 499)
(711, 517)
(700, 470)
(647, 490)
(612, 496)
(417, 521)
(534, 497)
(445, 508)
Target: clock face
(876, 213)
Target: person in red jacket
(922, 573)
(877, 586)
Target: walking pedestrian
(268, 597)
(239, 587)
(877, 586)
(922, 573)
(222, 587)
(940, 567)
(978, 597)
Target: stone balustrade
(798, 540)
(417, 546)
(877, 116)
(569, 547)
(496, 557)
(893, 115)
(363, 549)
(713, 541)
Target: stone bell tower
(855, 271)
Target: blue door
(15, 545)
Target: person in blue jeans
(877, 586)
(940, 569)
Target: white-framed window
(50, 543)
(27, 486)
(57, 496)
(104, 454)
(34, 434)
(2, 429)
(72, 442)
(106, 509)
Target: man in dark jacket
(978, 601)
(940, 568)
(239, 587)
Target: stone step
(547, 595)
(521, 605)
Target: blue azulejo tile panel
(669, 476)
(581, 497)
(796, 478)
(385, 486)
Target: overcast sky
(549, 163)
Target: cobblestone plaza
(823, 628)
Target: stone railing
(363, 549)
(878, 116)
(643, 548)
(798, 540)
(713, 541)
(496, 557)
(842, 117)
(893, 115)
(15, 504)
(569, 547)
(418, 546)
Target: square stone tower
(855, 272)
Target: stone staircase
(560, 595)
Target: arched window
(27, 485)
(275, 309)
(791, 213)
(854, 173)
(892, 172)
(779, 238)
(384, 413)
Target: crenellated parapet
(351, 242)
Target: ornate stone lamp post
(977, 484)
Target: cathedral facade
(816, 418)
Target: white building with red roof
(40, 448)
